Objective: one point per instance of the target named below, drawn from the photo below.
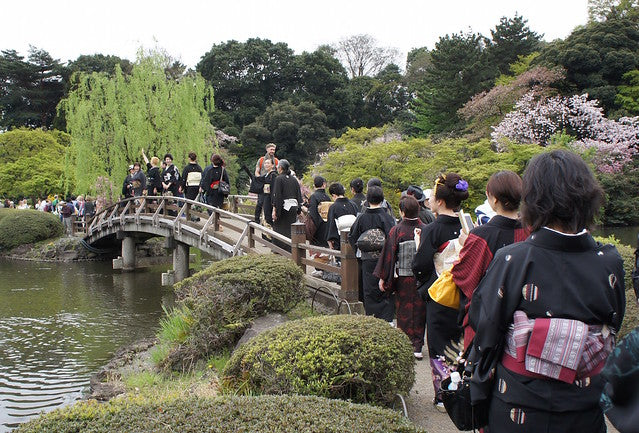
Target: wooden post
(349, 270)
(187, 213)
(234, 204)
(216, 221)
(251, 237)
(298, 237)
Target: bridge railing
(252, 238)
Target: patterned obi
(405, 254)
(561, 349)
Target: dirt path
(420, 407)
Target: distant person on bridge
(153, 175)
(287, 200)
(260, 171)
(357, 188)
(138, 180)
(210, 183)
(170, 177)
(269, 182)
(191, 177)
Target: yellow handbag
(444, 291)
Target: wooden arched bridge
(220, 233)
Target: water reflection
(60, 322)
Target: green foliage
(264, 414)
(32, 162)
(512, 39)
(596, 57)
(219, 361)
(299, 130)
(111, 118)
(518, 67)
(359, 358)
(217, 304)
(29, 89)
(20, 227)
(622, 201)
(399, 163)
(631, 318)
(628, 96)
(460, 68)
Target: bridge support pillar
(180, 261)
(128, 253)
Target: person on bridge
(357, 189)
(342, 206)
(210, 183)
(261, 171)
(191, 177)
(138, 180)
(287, 200)
(153, 175)
(269, 181)
(170, 177)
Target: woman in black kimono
(546, 312)
(441, 321)
(287, 199)
(210, 183)
(341, 206)
(396, 276)
(269, 181)
(503, 192)
(376, 303)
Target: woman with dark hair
(210, 183)
(441, 321)
(376, 220)
(503, 192)
(547, 311)
(269, 181)
(396, 276)
(287, 199)
(341, 206)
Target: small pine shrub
(631, 318)
(25, 226)
(264, 414)
(220, 302)
(347, 357)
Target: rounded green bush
(25, 226)
(217, 304)
(631, 317)
(348, 357)
(227, 414)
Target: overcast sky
(188, 28)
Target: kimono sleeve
(491, 310)
(474, 259)
(387, 259)
(423, 265)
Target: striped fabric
(562, 349)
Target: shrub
(631, 318)
(217, 304)
(227, 414)
(348, 357)
(24, 226)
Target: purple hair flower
(462, 185)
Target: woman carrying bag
(213, 176)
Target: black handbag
(224, 186)
(457, 402)
(257, 185)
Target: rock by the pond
(260, 325)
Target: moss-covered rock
(25, 226)
(227, 414)
(348, 357)
(217, 304)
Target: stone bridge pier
(129, 261)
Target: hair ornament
(462, 185)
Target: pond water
(60, 322)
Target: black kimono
(376, 303)
(154, 180)
(321, 226)
(548, 276)
(287, 199)
(210, 184)
(441, 322)
(341, 207)
(267, 202)
(409, 306)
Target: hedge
(347, 357)
(226, 414)
(25, 226)
(631, 318)
(219, 303)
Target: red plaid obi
(562, 349)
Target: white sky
(188, 28)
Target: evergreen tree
(512, 38)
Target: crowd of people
(540, 301)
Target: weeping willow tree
(111, 118)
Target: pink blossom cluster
(610, 143)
